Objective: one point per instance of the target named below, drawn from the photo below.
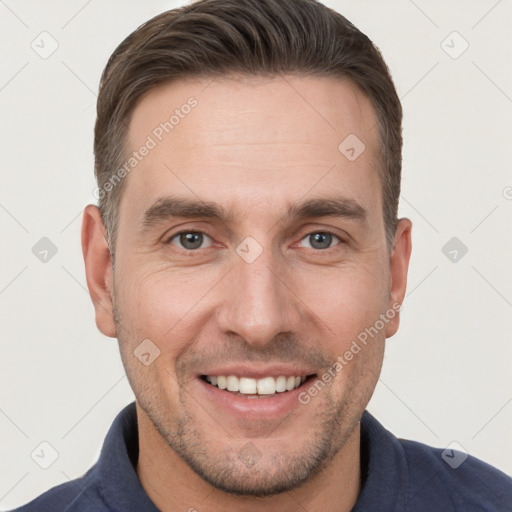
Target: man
(247, 255)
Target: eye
(190, 240)
(320, 240)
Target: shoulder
(111, 483)
(465, 481)
(403, 475)
(81, 494)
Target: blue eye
(320, 240)
(190, 240)
(194, 240)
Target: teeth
(232, 383)
(266, 386)
(221, 382)
(248, 386)
(281, 384)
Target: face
(252, 254)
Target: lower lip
(253, 407)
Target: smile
(249, 386)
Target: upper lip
(254, 371)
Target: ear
(98, 269)
(398, 266)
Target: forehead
(253, 142)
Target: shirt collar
(384, 467)
(119, 484)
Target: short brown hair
(211, 38)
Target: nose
(258, 303)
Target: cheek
(161, 308)
(347, 301)
(164, 305)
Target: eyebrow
(170, 207)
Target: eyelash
(191, 251)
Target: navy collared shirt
(398, 476)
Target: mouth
(246, 392)
(264, 387)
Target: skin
(253, 146)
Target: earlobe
(398, 266)
(98, 269)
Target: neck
(172, 485)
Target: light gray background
(446, 374)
